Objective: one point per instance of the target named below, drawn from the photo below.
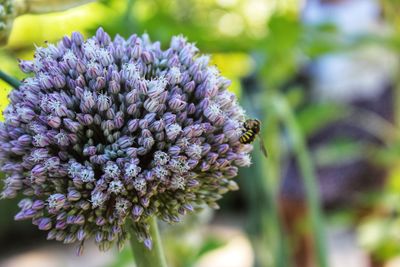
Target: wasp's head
(253, 124)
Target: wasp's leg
(262, 147)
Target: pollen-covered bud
(56, 202)
(161, 158)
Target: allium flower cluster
(108, 131)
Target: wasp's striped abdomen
(247, 137)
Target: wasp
(251, 129)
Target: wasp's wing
(262, 146)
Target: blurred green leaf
(281, 50)
(209, 244)
(337, 152)
(123, 258)
(315, 116)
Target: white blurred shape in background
(236, 253)
(362, 73)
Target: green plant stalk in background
(271, 167)
(262, 183)
(309, 177)
(265, 227)
(145, 257)
(272, 224)
(10, 80)
(128, 11)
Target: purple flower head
(108, 131)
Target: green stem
(128, 10)
(276, 233)
(266, 228)
(10, 80)
(270, 183)
(145, 257)
(308, 174)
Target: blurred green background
(321, 75)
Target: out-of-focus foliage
(380, 231)
(184, 247)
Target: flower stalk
(153, 257)
(10, 80)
